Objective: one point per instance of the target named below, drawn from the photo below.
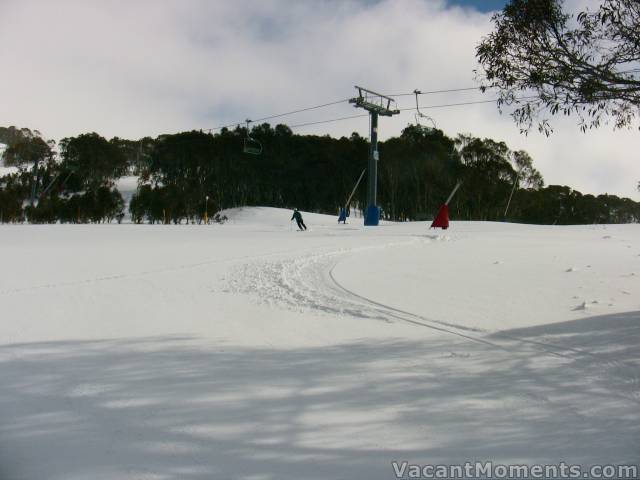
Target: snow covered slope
(250, 350)
(127, 186)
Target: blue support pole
(372, 212)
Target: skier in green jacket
(298, 218)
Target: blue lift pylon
(376, 104)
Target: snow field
(252, 351)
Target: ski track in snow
(308, 283)
(122, 276)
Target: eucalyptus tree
(545, 61)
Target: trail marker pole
(515, 184)
(453, 192)
(346, 205)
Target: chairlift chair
(251, 145)
(426, 128)
(419, 115)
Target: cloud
(144, 68)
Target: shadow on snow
(177, 408)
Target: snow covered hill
(250, 350)
(127, 186)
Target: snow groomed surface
(250, 350)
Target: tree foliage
(29, 150)
(94, 161)
(11, 135)
(545, 61)
(183, 175)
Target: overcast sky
(136, 68)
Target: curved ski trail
(308, 283)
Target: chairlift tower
(376, 104)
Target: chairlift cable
(432, 92)
(406, 109)
(337, 102)
(476, 102)
(302, 110)
(306, 109)
(329, 121)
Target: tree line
(189, 176)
